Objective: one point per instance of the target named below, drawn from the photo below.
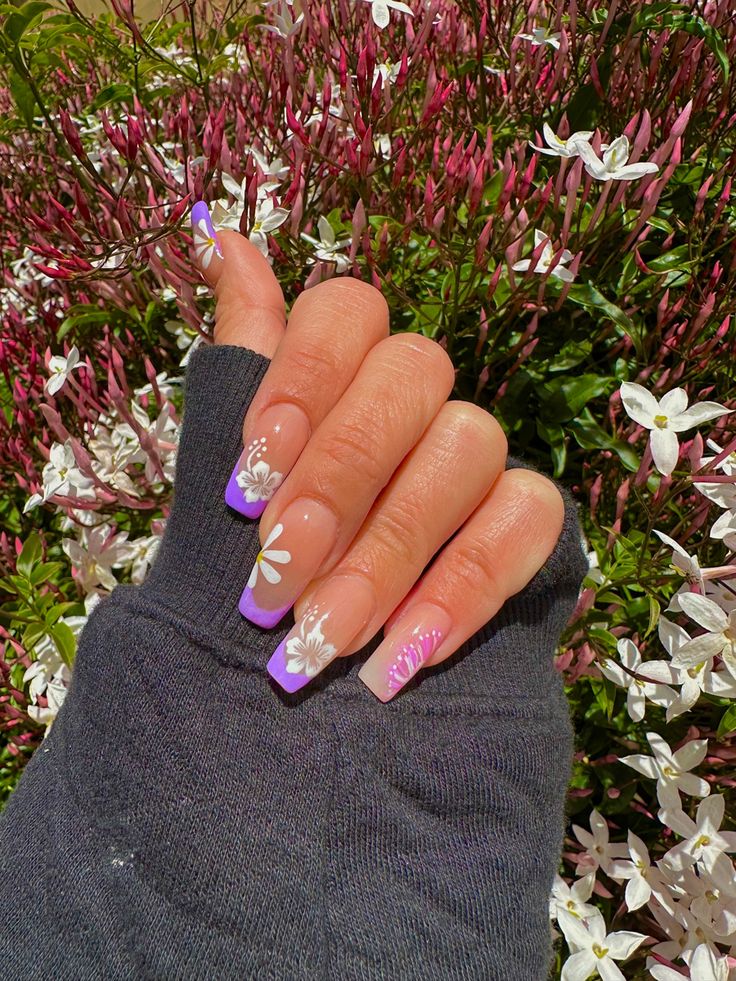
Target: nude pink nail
(405, 650)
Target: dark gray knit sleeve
(185, 818)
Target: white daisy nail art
(266, 557)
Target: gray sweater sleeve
(187, 819)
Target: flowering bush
(547, 192)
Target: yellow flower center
(599, 951)
(660, 422)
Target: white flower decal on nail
(307, 652)
(256, 479)
(266, 556)
(205, 246)
(411, 657)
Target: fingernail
(289, 558)
(206, 242)
(338, 611)
(279, 436)
(405, 650)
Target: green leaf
(66, 642)
(29, 556)
(587, 296)
(654, 613)
(25, 17)
(590, 435)
(727, 723)
(564, 398)
(117, 92)
(23, 97)
(555, 437)
(675, 259)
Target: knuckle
(398, 535)
(409, 350)
(538, 491)
(479, 426)
(314, 363)
(474, 570)
(352, 296)
(353, 449)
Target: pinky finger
(499, 549)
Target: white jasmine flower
(61, 477)
(625, 675)
(326, 248)
(142, 551)
(642, 875)
(387, 70)
(573, 898)
(599, 851)
(285, 26)
(705, 965)
(60, 369)
(95, 554)
(540, 36)
(720, 639)
(266, 556)
(380, 10)
(593, 950)
(670, 770)
(613, 166)
(268, 218)
(545, 260)
(307, 652)
(561, 148)
(704, 843)
(665, 418)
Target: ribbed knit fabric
(187, 819)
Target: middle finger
(314, 515)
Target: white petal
(559, 272)
(701, 412)
(275, 532)
(379, 10)
(643, 764)
(608, 970)
(632, 171)
(691, 754)
(396, 5)
(579, 967)
(639, 403)
(665, 450)
(673, 402)
(575, 933)
(623, 943)
(704, 611)
(711, 811)
(617, 154)
(253, 578)
(278, 555)
(269, 573)
(594, 166)
(54, 383)
(521, 266)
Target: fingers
(497, 552)
(250, 309)
(433, 492)
(398, 390)
(332, 327)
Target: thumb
(250, 310)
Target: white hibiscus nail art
(307, 652)
(266, 556)
(257, 481)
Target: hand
(361, 471)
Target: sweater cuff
(208, 549)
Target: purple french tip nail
(276, 667)
(235, 498)
(256, 614)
